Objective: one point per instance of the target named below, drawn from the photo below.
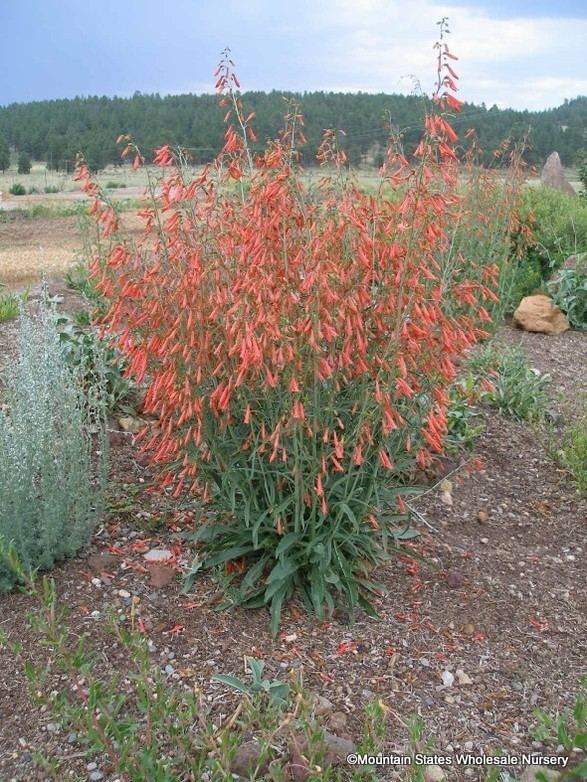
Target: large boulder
(554, 176)
(539, 313)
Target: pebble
(96, 776)
(52, 727)
(72, 738)
(169, 669)
(92, 766)
(434, 774)
(123, 593)
(468, 745)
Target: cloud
(375, 45)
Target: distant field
(43, 237)
(41, 178)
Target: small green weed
(275, 691)
(464, 416)
(517, 390)
(568, 730)
(9, 306)
(573, 452)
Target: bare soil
(501, 597)
(43, 247)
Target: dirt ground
(502, 599)
(44, 247)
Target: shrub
(95, 360)
(52, 452)
(17, 189)
(558, 223)
(51, 189)
(114, 185)
(297, 344)
(569, 292)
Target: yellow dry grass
(47, 247)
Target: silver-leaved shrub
(53, 451)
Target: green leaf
(367, 607)
(232, 681)
(563, 736)
(579, 771)
(286, 542)
(190, 576)
(275, 611)
(255, 572)
(234, 552)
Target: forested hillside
(56, 130)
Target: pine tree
(4, 155)
(24, 163)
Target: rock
(529, 773)
(322, 706)
(482, 517)
(124, 594)
(447, 679)
(92, 766)
(337, 749)
(553, 175)
(338, 723)
(158, 562)
(454, 578)
(129, 424)
(101, 562)
(298, 767)
(434, 774)
(247, 760)
(462, 677)
(96, 776)
(538, 313)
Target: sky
(525, 54)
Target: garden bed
(499, 603)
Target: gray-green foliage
(518, 390)
(53, 451)
(569, 292)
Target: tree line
(56, 130)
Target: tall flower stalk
(296, 343)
